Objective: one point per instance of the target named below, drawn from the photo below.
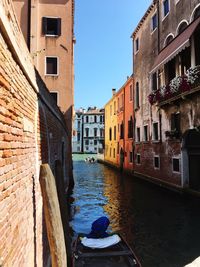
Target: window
(130, 156)
(55, 96)
(95, 132)
(78, 137)
(175, 122)
(118, 107)
(154, 22)
(86, 119)
(182, 27)
(113, 152)
(95, 142)
(51, 26)
(86, 132)
(114, 107)
(154, 81)
(165, 7)
(110, 151)
(86, 142)
(176, 164)
(146, 133)
(95, 118)
(86, 148)
(156, 162)
(51, 66)
(136, 44)
(110, 134)
(138, 158)
(168, 40)
(110, 110)
(138, 134)
(155, 131)
(118, 148)
(122, 130)
(130, 128)
(115, 132)
(131, 92)
(137, 96)
(101, 132)
(197, 13)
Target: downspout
(29, 25)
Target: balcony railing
(178, 87)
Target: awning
(179, 43)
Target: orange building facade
(119, 135)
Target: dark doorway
(192, 144)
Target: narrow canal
(162, 227)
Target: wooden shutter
(59, 26)
(44, 25)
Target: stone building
(93, 130)
(32, 131)
(48, 28)
(77, 139)
(167, 100)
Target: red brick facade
(32, 131)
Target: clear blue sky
(103, 49)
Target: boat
(118, 255)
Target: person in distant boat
(99, 227)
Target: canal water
(162, 227)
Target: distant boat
(118, 255)
(90, 160)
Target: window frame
(152, 28)
(147, 127)
(176, 158)
(153, 133)
(165, 15)
(58, 97)
(137, 45)
(138, 155)
(49, 74)
(156, 156)
(59, 29)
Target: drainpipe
(29, 25)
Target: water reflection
(162, 227)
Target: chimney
(113, 91)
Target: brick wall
(32, 131)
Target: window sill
(155, 141)
(165, 16)
(51, 35)
(51, 75)
(152, 31)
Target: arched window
(168, 39)
(182, 27)
(196, 13)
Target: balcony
(178, 88)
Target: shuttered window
(51, 26)
(51, 65)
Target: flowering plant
(177, 85)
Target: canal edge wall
(159, 183)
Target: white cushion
(100, 242)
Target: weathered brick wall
(32, 131)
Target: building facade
(166, 70)
(88, 131)
(48, 29)
(119, 128)
(93, 130)
(77, 139)
(33, 132)
(111, 130)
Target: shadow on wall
(54, 148)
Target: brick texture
(32, 131)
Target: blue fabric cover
(99, 228)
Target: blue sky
(103, 49)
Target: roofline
(143, 19)
(120, 89)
